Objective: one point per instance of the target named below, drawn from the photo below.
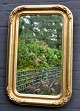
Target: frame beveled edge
(23, 99)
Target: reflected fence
(30, 78)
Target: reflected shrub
(34, 54)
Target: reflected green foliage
(36, 54)
(39, 42)
(46, 28)
(39, 54)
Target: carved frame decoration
(67, 49)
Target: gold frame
(67, 50)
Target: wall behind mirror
(6, 7)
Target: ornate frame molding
(67, 39)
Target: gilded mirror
(39, 56)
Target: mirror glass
(39, 57)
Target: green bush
(34, 54)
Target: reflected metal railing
(25, 78)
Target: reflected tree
(37, 34)
(46, 28)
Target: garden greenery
(36, 54)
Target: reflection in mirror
(39, 61)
